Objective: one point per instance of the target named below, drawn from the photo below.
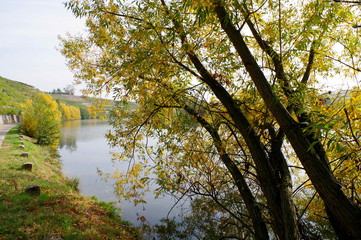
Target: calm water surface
(83, 149)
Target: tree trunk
(265, 172)
(346, 213)
(259, 226)
(289, 214)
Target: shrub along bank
(58, 209)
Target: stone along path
(4, 128)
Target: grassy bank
(59, 209)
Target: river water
(84, 149)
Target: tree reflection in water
(68, 137)
(68, 142)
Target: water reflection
(80, 130)
(68, 142)
(84, 150)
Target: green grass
(59, 209)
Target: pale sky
(29, 32)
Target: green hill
(12, 93)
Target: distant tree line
(68, 90)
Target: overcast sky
(28, 38)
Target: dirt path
(4, 128)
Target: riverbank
(54, 208)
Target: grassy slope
(12, 93)
(58, 210)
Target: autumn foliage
(229, 110)
(42, 117)
(69, 112)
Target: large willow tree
(228, 90)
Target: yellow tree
(41, 119)
(69, 112)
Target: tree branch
(347, 1)
(122, 15)
(350, 126)
(339, 61)
(311, 59)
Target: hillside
(74, 100)
(104, 104)
(12, 93)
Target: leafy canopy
(206, 126)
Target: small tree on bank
(41, 119)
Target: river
(84, 149)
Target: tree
(84, 112)
(41, 119)
(227, 80)
(69, 89)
